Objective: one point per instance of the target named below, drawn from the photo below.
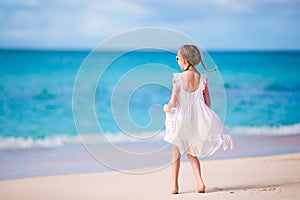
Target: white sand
(273, 177)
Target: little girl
(192, 126)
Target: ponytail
(210, 71)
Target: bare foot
(175, 190)
(201, 188)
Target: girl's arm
(173, 100)
(206, 96)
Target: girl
(192, 126)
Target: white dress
(192, 125)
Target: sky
(215, 24)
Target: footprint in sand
(216, 189)
(268, 189)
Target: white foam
(7, 143)
(15, 143)
(282, 130)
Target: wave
(20, 143)
(282, 130)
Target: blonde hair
(193, 56)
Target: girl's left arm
(206, 96)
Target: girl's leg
(175, 169)
(197, 172)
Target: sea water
(262, 95)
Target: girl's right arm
(173, 100)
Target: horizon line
(91, 49)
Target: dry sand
(272, 177)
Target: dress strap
(203, 82)
(176, 82)
(176, 79)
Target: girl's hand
(166, 108)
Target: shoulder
(177, 74)
(204, 77)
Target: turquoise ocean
(262, 91)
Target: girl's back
(191, 80)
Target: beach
(268, 177)
(50, 150)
